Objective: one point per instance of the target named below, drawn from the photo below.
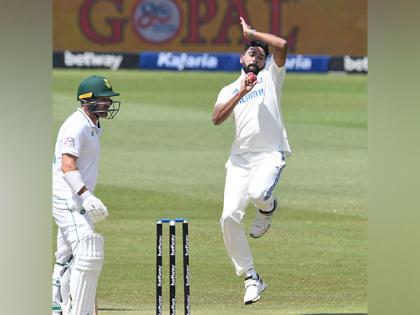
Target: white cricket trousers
(250, 177)
(72, 227)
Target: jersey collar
(95, 127)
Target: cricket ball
(251, 77)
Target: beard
(252, 67)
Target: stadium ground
(162, 157)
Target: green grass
(162, 157)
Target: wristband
(251, 33)
(74, 180)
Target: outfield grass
(162, 157)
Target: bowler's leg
(234, 205)
(263, 182)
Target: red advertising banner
(335, 27)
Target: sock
(272, 208)
(251, 273)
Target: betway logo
(90, 59)
(187, 275)
(355, 64)
(159, 277)
(173, 277)
(186, 61)
(159, 252)
(172, 253)
(187, 245)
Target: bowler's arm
(279, 45)
(222, 111)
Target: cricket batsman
(258, 151)
(75, 208)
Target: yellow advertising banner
(334, 27)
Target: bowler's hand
(246, 29)
(246, 85)
(94, 207)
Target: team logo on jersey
(70, 142)
(107, 83)
(157, 21)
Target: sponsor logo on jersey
(70, 142)
(157, 21)
(251, 95)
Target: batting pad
(65, 288)
(61, 283)
(85, 274)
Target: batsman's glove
(94, 207)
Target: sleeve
(277, 73)
(72, 141)
(223, 96)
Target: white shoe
(253, 288)
(262, 222)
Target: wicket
(172, 265)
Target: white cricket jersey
(259, 124)
(77, 136)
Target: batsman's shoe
(253, 288)
(262, 222)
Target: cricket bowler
(75, 208)
(258, 151)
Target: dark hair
(257, 43)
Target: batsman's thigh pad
(64, 251)
(85, 272)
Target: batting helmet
(95, 86)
